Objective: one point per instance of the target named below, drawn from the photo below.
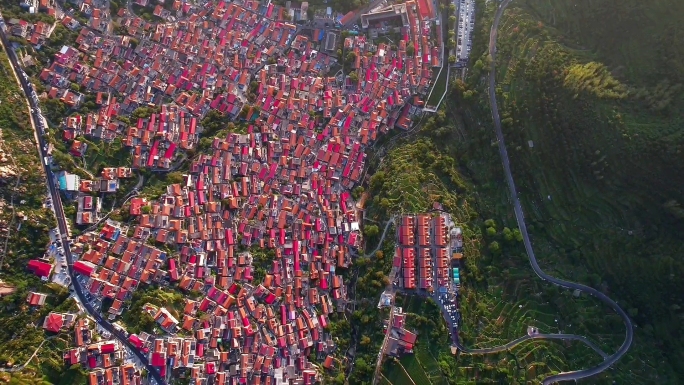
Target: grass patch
(395, 374)
(440, 80)
(415, 371)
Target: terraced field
(422, 366)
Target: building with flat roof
(68, 182)
(330, 41)
(385, 13)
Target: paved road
(629, 333)
(37, 122)
(382, 238)
(383, 348)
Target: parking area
(56, 251)
(448, 296)
(94, 301)
(464, 29)
(450, 309)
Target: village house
(36, 299)
(55, 322)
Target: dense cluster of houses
(104, 360)
(155, 141)
(34, 33)
(241, 335)
(113, 265)
(282, 186)
(240, 329)
(423, 252)
(202, 59)
(212, 58)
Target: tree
(351, 57)
(354, 77)
(142, 112)
(508, 234)
(90, 105)
(340, 379)
(253, 86)
(410, 50)
(377, 180)
(517, 235)
(479, 65)
(452, 20)
(371, 230)
(494, 247)
(362, 366)
(452, 59)
(365, 340)
(174, 177)
(214, 121)
(357, 192)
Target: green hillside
(590, 93)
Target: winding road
(37, 123)
(520, 218)
(382, 238)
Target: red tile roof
(40, 268)
(53, 322)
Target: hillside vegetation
(501, 297)
(590, 93)
(24, 226)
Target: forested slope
(591, 96)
